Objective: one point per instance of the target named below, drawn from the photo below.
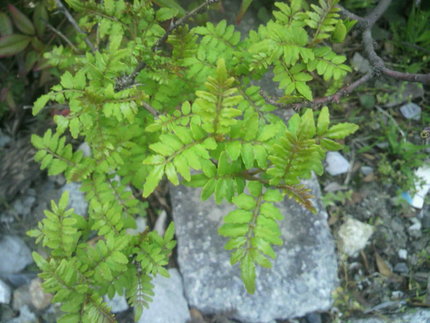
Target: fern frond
(58, 157)
(153, 251)
(290, 14)
(296, 154)
(58, 230)
(252, 229)
(111, 205)
(328, 64)
(323, 19)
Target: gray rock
(117, 304)
(168, 304)
(4, 139)
(411, 111)
(336, 164)
(5, 293)
(76, 198)
(25, 316)
(300, 282)
(39, 298)
(14, 255)
(19, 279)
(366, 170)
(401, 268)
(415, 316)
(21, 297)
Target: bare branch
(150, 109)
(410, 77)
(376, 62)
(323, 100)
(377, 12)
(74, 24)
(348, 14)
(61, 35)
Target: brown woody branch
(377, 63)
(365, 24)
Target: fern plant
(192, 115)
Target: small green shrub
(192, 115)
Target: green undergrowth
(191, 115)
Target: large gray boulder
(301, 280)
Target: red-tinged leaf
(37, 45)
(40, 18)
(30, 60)
(5, 25)
(21, 21)
(13, 44)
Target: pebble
(354, 235)
(25, 316)
(366, 170)
(21, 297)
(401, 268)
(313, 318)
(415, 229)
(403, 254)
(397, 294)
(39, 298)
(5, 293)
(336, 163)
(14, 255)
(411, 111)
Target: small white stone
(422, 186)
(403, 254)
(160, 224)
(336, 163)
(416, 226)
(411, 111)
(354, 235)
(5, 293)
(397, 294)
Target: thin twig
(59, 33)
(150, 109)
(180, 21)
(348, 14)
(74, 24)
(375, 60)
(323, 100)
(129, 79)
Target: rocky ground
(363, 257)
